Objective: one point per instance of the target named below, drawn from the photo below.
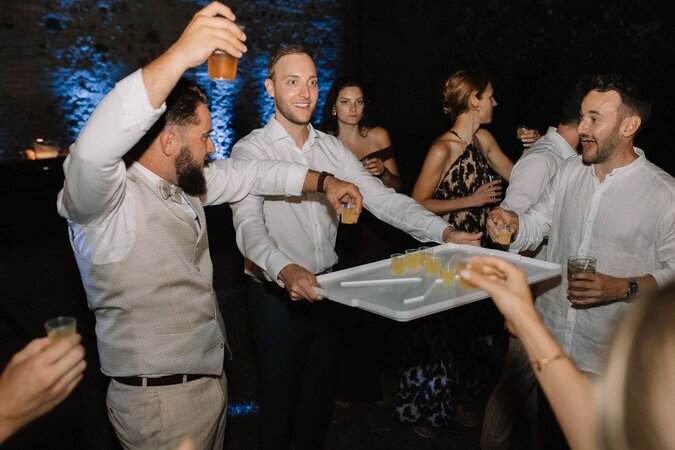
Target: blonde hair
(460, 87)
(637, 398)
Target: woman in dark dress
(365, 335)
(449, 354)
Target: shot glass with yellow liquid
(424, 252)
(412, 259)
(464, 262)
(60, 327)
(433, 265)
(348, 213)
(504, 233)
(448, 272)
(398, 264)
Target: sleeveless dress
(447, 357)
(461, 179)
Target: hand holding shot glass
(527, 135)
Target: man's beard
(190, 174)
(604, 149)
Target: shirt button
(222, 345)
(197, 268)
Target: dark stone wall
(532, 49)
(60, 57)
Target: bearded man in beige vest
(139, 238)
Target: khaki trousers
(160, 417)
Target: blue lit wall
(77, 50)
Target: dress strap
(461, 138)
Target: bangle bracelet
(539, 364)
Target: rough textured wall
(59, 57)
(532, 49)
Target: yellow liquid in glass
(448, 275)
(60, 333)
(504, 237)
(434, 266)
(412, 261)
(398, 266)
(348, 215)
(464, 284)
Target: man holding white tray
(287, 243)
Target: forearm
(391, 180)
(440, 207)
(567, 389)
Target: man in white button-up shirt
(139, 238)
(529, 178)
(288, 242)
(609, 203)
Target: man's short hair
(632, 98)
(571, 106)
(291, 49)
(182, 102)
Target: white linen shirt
(273, 232)
(627, 222)
(533, 171)
(100, 211)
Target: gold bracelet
(539, 364)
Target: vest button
(197, 268)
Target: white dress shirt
(627, 222)
(273, 232)
(532, 172)
(100, 211)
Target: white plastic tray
(372, 287)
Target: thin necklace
(460, 137)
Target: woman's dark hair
(329, 122)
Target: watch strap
(321, 180)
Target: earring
(334, 112)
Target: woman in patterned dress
(450, 353)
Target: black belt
(158, 381)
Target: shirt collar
(628, 167)
(147, 173)
(276, 132)
(565, 149)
